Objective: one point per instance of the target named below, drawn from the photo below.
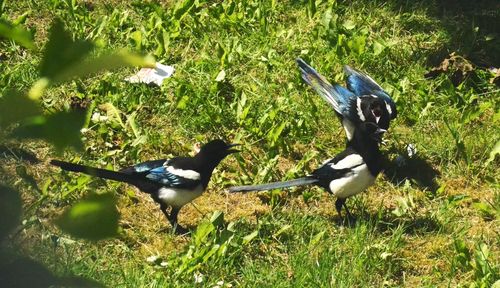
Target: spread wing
(338, 96)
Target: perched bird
(362, 101)
(170, 182)
(348, 173)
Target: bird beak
(377, 135)
(230, 151)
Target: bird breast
(352, 183)
(179, 197)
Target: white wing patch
(188, 174)
(349, 128)
(178, 197)
(359, 110)
(348, 162)
(353, 183)
(388, 107)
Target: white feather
(388, 107)
(349, 128)
(353, 183)
(178, 197)
(188, 174)
(348, 162)
(359, 110)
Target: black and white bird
(362, 101)
(350, 172)
(170, 182)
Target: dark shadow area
(473, 28)
(411, 225)
(24, 272)
(387, 221)
(7, 151)
(415, 169)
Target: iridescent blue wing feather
(362, 84)
(338, 96)
(156, 171)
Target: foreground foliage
(432, 220)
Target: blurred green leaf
(16, 33)
(94, 218)
(488, 212)
(349, 24)
(311, 8)
(202, 232)
(357, 44)
(16, 106)
(494, 152)
(282, 230)
(136, 36)
(183, 102)
(61, 51)
(247, 239)
(105, 62)
(10, 210)
(316, 239)
(378, 48)
(217, 218)
(62, 129)
(183, 8)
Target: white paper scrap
(152, 75)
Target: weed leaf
(16, 33)
(62, 129)
(93, 218)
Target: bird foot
(179, 230)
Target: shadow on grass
(18, 153)
(411, 225)
(24, 272)
(473, 27)
(416, 169)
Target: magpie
(348, 173)
(362, 101)
(170, 182)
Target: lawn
(431, 219)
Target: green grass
(438, 229)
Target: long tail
(274, 185)
(336, 95)
(102, 173)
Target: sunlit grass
(407, 233)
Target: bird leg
(348, 214)
(339, 203)
(172, 218)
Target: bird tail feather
(274, 185)
(102, 173)
(332, 94)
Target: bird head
(374, 110)
(216, 150)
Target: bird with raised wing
(362, 101)
(170, 182)
(350, 172)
